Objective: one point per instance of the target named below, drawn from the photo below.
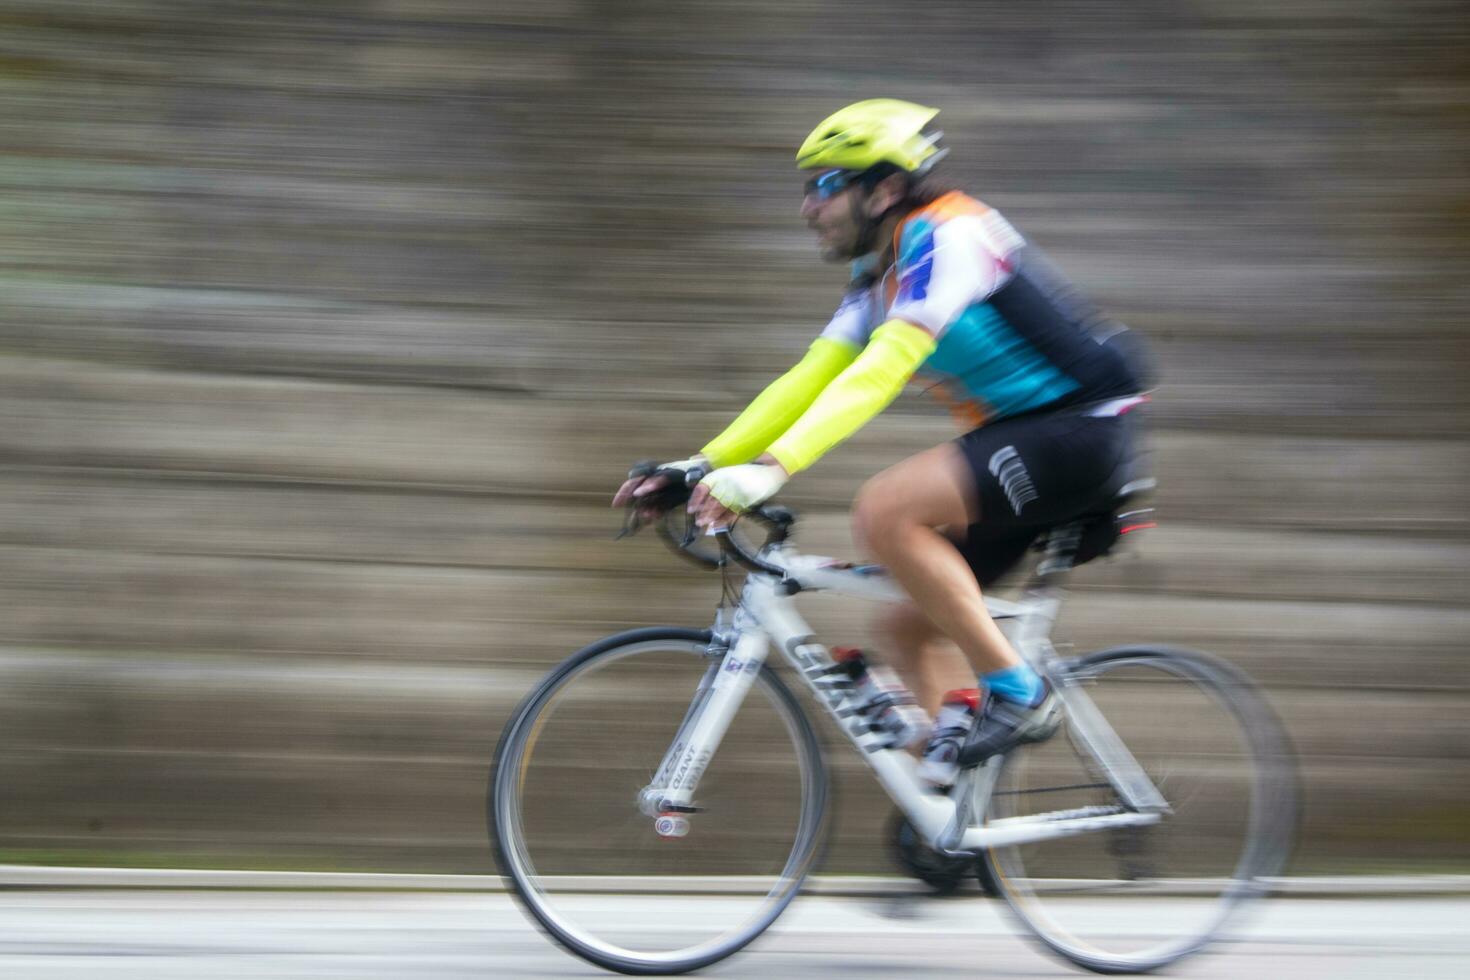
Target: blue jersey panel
(994, 365)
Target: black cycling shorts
(1037, 471)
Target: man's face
(831, 206)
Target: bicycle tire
(511, 810)
(1047, 907)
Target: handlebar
(777, 519)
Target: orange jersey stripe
(968, 413)
(951, 205)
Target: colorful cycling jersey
(1012, 336)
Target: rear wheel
(592, 857)
(1138, 898)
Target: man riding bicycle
(944, 290)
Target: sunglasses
(825, 186)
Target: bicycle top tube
(777, 558)
(797, 572)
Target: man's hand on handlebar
(724, 494)
(646, 480)
(718, 499)
(714, 500)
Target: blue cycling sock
(1020, 684)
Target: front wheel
(574, 815)
(1137, 898)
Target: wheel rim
(588, 862)
(1143, 897)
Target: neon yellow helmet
(868, 133)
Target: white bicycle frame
(767, 614)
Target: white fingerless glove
(742, 487)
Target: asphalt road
(160, 935)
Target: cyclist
(946, 291)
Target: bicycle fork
(669, 798)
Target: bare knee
(877, 512)
(929, 490)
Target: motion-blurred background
(327, 330)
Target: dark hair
(917, 191)
(925, 191)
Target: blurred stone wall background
(327, 329)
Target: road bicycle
(658, 799)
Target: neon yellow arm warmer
(856, 395)
(780, 404)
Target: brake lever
(631, 523)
